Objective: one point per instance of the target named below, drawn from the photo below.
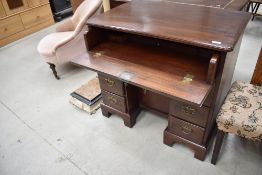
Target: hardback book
(88, 96)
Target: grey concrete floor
(41, 133)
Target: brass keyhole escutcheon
(109, 82)
(112, 99)
(186, 130)
(188, 110)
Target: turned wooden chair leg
(255, 10)
(218, 144)
(52, 66)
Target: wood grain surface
(223, 4)
(211, 28)
(146, 76)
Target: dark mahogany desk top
(223, 4)
(211, 28)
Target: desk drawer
(36, 16)
(10, 26)
(112, 85)
(186, 130)
(194, 114)
(114, 101)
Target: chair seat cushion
(48, 44)
(241, 112)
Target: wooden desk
(168, 58)
(223, 4)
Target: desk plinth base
(129, 118)
(200, 150)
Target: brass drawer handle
(186, 130)
(109, 82)
(112, 99)
(188, 110)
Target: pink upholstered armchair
(68, 41)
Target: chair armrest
(71, 49)
(74, 34)
(65, 26)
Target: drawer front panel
(36, 16)
(111, 85)
(193, 114)
(186, 130)
(10, 26)
(114, 101)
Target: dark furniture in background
(152, 64)
(61, 9)
(254, 4)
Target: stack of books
(88, 96)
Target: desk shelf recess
(157, 65)
(173, 59)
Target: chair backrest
(86, 9)
(257, 75)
